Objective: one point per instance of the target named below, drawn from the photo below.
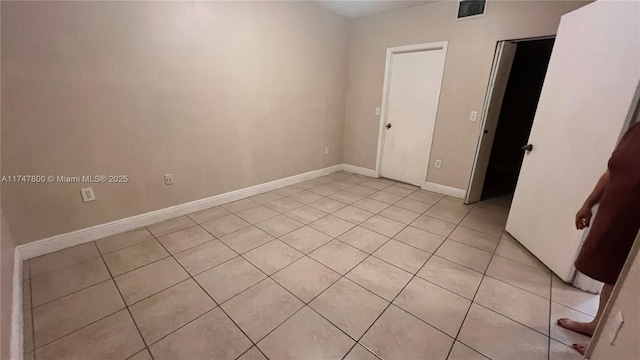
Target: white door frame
(385, 93)
(483, 116)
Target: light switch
(473, 116)
(378, 111)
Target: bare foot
(580, 347)
(579, 327)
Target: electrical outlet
(438, 164)
(473, 116)
(378, 111)
(168, 179)
(326, 151)
(87, 194)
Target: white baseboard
(359, 170)
(63, 241)
(583, 282)
(17, 316)
(445, 190)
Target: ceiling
(354, 9)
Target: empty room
(435, 179)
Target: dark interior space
(516, 116)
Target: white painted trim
(359, 170)
(385, 94)
(444, 190)
(485, 107)
(383, 110)
(59, 242)
(483, 117)
(17, 315)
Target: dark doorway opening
(516, 116)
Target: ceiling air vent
(469, 8)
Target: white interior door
(414, 78)
(583, 108)
(502, 63)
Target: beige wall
(623, 300)
(470, 54)
(223, 95)
(7, 250)
(218, 94)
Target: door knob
(528, 147)
(389, 126)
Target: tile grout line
(326, 214)
(146, 227)
(126, 247)
(239, 255)
(304, 304)
(86, 325)
(208, 219)
(33, 328)
(81, 327)
(288, 291)
(370, 255)
(146, 346)
(124, 273)
(401, 290)
(516, 286)
(67, 266)
(318, 295)
(518, 262)
(427, 280)
(472, 300)
(475, 247)
(515, 321)
(168, 252)
(191, 277)
(391, 303)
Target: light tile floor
(342, 266)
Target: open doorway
(519, 70)
(516, 117)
